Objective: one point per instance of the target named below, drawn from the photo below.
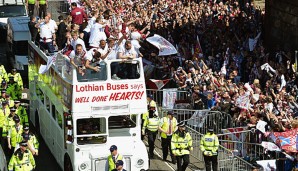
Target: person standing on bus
(119, 166)
(42, 8)
(151, 127)
(22, 159)
(114, 157)
(78, 15)
(14, 133)
(47, 35)
(209, 146)
(78, 58)
(167, 126)
(181, 146)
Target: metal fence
(57, 8)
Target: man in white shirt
(87, 30)
(47, 35)
(103, 49)
(53, 23)
(79, 58)
(97, 34)
(76, 40)
(128, 53)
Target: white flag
(253, 42)
(261, 126)
(44, 68)
(164, 46)
(270, 146)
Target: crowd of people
(216, 63)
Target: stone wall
(281, 24)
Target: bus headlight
(84, 166)
(140, 162)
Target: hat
(4, 102)
(113, 147)
(170, 112)
(210, 129)
(23, 143)
(3, 91)
(3, 82)
(25, 137)
(26, 128)
(181, 124)
(17, 101)
(16, 119)
(12, 109)
(119, 163)
(14, 69)
(150, 96)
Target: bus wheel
(37, 126)
(67, 163)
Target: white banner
(169, 98)
(44, 68)
(164, 46)
(268, 165)
(270, 146)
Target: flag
(164, 46)
(270, 146)
(157, 84)
(253, 42)
(261, 126)
(267, 165)
(243, 102)
(44, 68)
(198, 52)
(286, 140)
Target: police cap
(181, 124)
(3, 91)
(119, 163)
(3, 82)
(150, 96)
(210, 129)
(4, 102)
(26, 128)
(23, 143)
(12, 109)
(170, 112)
(14, 70)
(16, 119)
(112, 148)
(26, 137)
(17, 101)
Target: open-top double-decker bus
(80, 117)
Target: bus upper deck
(93, 92)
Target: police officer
(31, 6)
(31, 140)
(13, 135)
(13, 89)
(3, 124)
(42, 8)
(151, 127)
(21, 112)
(114, 157)
(22, 159)
(167, 126)
(151, 105)
(181, 145)
(16, 77)
(209, 146)
(9, 101)
(3, 85)
(119, 166)
(3, 73)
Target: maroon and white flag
(157, 84)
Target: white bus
(80, 117)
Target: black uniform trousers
(31, 9)
(42, 11)
(208, 160)
(166, 146)
(151, 140)
(180, 166)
